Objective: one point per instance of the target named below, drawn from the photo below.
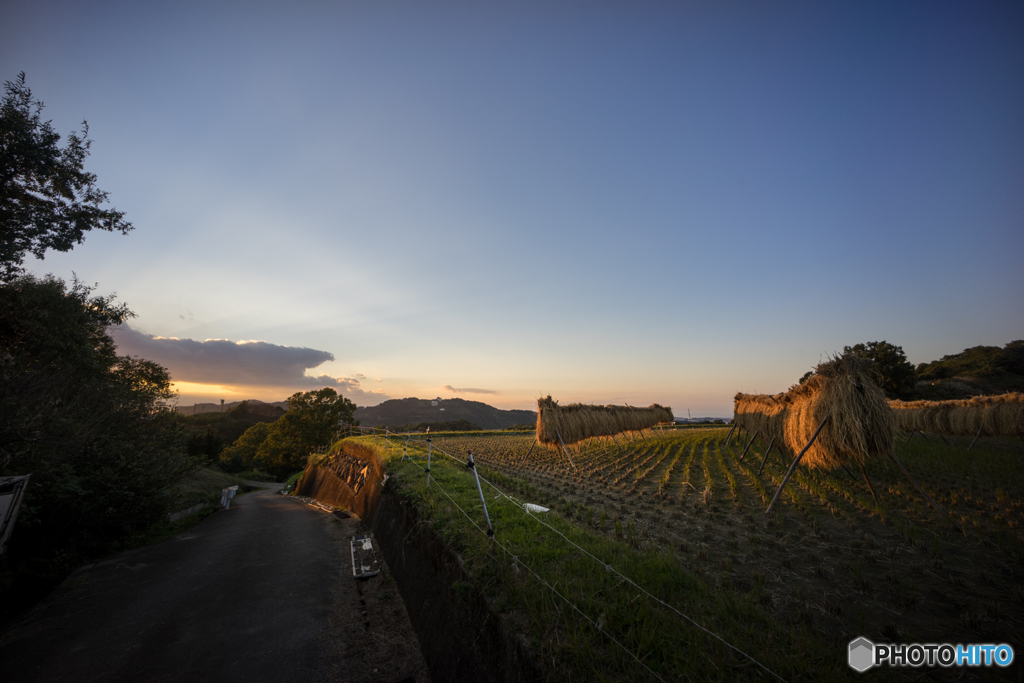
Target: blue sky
(605, 202)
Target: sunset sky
(607, 202)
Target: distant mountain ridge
(404, 411)
(254, 405)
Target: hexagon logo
(862, 654)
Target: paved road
(261, 592)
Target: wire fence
(493, 535)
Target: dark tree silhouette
(895, 374)
(47, 200)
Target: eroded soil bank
(460, 636)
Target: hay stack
(860, 425)
(1001, 415)
(577, 421)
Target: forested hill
(977, 370)
(404, 411)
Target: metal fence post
(428, 461)
(471, 465)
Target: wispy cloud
(467, 390)
(246, 363)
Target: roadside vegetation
(281, 447)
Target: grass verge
(596, 607)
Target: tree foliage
(977, 361)
(47, 199)
(241, 454)
(206, 446)
(209, 433)
(88, 425)
(895, 374)
(281, 448)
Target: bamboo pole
(749, 443)
(980, 429)
(765, 459)
(565, 449)
(868, 481)
(792, 467)
(729, 436)
(750, 440)
(523, 459)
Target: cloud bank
(467, 390)
(245, 363)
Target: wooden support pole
(848, 471)
(565, 449)
(980, 430)
(749, 444)
(523, 459)
(921, 490)
(868, 481)
(750, 440)
(792, 467)
(730, 434)
(911, 435)
(766, 452)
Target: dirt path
(263, 591)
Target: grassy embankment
(584, 621)
(685, 521)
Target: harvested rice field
(829, 564)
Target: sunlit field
(680, 518)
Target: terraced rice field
(830, 557)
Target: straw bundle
(860, 424)
(577, 421)
(1001, 415)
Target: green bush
(89, 426)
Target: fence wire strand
(540, 578)
(607, 566)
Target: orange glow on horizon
(193, 388)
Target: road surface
(261, 592)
